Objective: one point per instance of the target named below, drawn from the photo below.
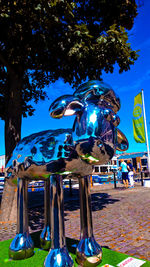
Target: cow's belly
(78, 167)
(32, 171)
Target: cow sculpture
(53, 154)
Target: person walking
(124, 170)
(130, 173)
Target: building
(2, 163)
(138, 160)
(106, 168)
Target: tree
(41, 41)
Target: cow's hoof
(58, 258)
(45, 238)
(88, 253)
(21, 247)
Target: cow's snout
(94, 150)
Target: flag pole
(146, 135)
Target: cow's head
(95, 130)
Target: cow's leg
(58, 254)
(22, 245)
(45, 236)
(89, 252)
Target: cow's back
(41, 147)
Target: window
(96, 169)
(144, 162)
(103, 169)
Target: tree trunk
(13, 116)
(9, 205)
(12, 136)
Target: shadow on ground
(36, 218)
(71, 203)
(98, 201)
(71, 243)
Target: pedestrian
(130, 173)
(124, 170)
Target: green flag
(138, 121)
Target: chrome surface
(45, 237)
(121, 141)
(93, 139)
(100, 93)
(57, 212)
(88, 252)
(22, 245)
(58, 255)
(39, 155)
(65, 105)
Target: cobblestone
(121, 219)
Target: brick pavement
(121, 219)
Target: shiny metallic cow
(53, 154)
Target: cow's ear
(121, 141)
(65, 105)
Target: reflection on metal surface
(58, 258)
(94, 138)
(45, 237)
(65, 105)
(58, 255)
(100, 93)
(57, 212)
(121, 141)
(89, 252)
(22, 245)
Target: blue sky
(126, 85)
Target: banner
(138, 120)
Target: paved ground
(121, 219)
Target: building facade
(2, 163)
(138, 160)
(111, 166)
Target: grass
(109, 256)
